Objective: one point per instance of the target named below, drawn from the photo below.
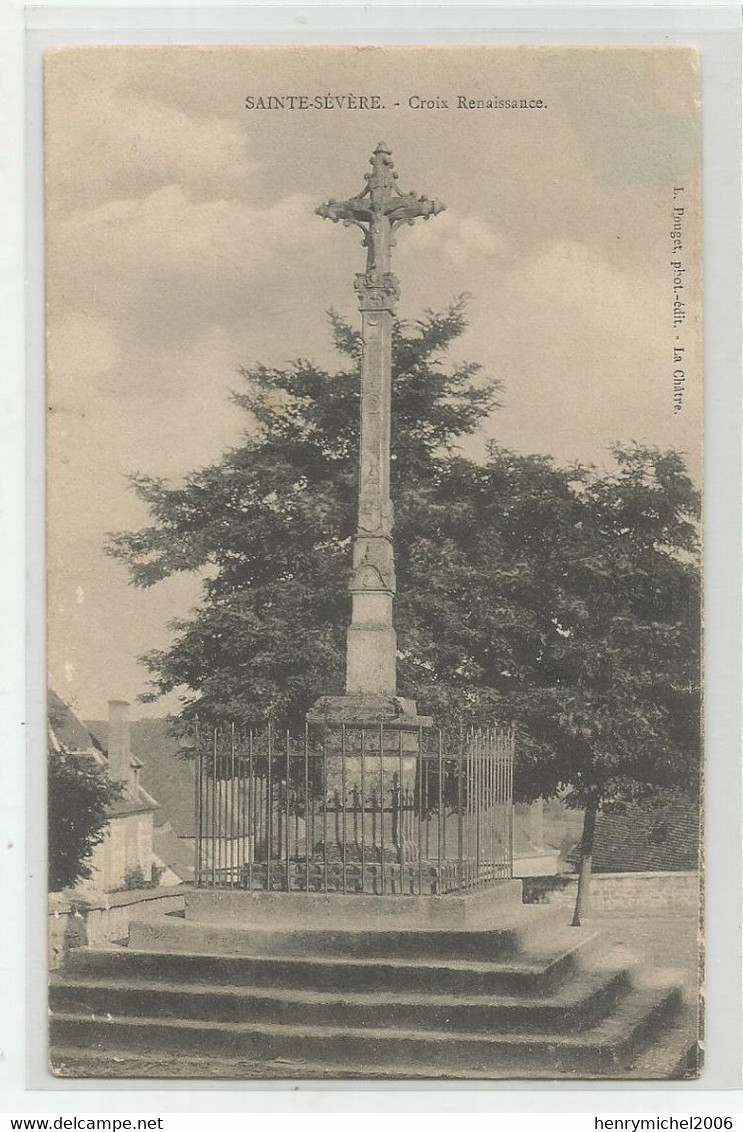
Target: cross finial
(379, 208)
(381, 179)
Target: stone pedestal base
(373, 745)
(366, 709)
(306, 910)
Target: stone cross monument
(371, 657)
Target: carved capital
(377, 291)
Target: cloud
(459, 238)
(168, 266)
(613, 302)
(100, 146)
(583, 350)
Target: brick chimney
(119, 743)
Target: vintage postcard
(374, 513)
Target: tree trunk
(586, 856)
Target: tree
(568, 602)
(79, 796)
(271, 523)
(582, 623)
(564, 600)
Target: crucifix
(378, 210)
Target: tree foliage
(577, 617)
(564, 600)
(79, 796)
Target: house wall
(126, 846)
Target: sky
(182, 244)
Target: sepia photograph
(374, 513)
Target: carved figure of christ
(371, 656)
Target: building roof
(648, 837)
(140, 804)
(66, 734)
(164, 774)
(174, 851)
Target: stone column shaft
(378, 210)
(371, 638)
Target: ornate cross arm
(380, 208)
(402, 209)
(409, 207)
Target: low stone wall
(91, 921)
(619, 892)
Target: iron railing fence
(354, 809)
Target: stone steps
(673, 1056)
(536, 973)
(218, 939)
(676, 1054)
(575, 1005)
(521, 995)
(607, 1047)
